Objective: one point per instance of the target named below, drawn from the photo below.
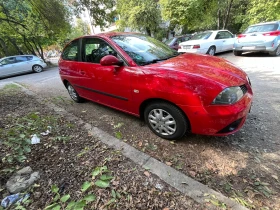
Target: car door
(228, 40)
(8, 66)
(22, 64)
(219, 42)
(108, 85)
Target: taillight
(241, 36)
(272, 33)
(196, 46)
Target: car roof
(15, 56)
(271, 22)
(109, 34)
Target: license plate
(187, 47)
(248, 48)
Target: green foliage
(17, 138)
(143, 15)
(26, 26)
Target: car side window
(95, 49)
(223, 35)
(8, 61)
(21, 59)
(71, 51)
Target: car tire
(73, 93)
(211, 50)
(237, 53)
(37, 68)
(166, 120)
(276, 52)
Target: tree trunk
(4, 47)
(15, 45)
(148, 30)
(227, 14)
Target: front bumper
(219, 120)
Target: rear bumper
(198, 51)
(219, 120)
(255, 47)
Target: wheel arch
(145, 103)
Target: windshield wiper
(158, 60)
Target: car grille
(243, 88)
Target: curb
(188, 186)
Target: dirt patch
(243, 166)
(68, 155)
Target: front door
(7, 67)
(108, 85)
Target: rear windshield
(261, 28)
(204, 35)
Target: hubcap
(72, 92)
(162, 122)
(37, 68)
(278, 50)
(212, 51)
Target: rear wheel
(166, 120)
(211, 50)
(276, 52)
(237, 53)
(37, 68)
(73, 93)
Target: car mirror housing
(110, 60)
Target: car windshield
(169, 41)
(261, 28)
(203, 35)
(144, 49)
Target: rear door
(226, 40)
(22, 64)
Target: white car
(209, 42)
(19, 64)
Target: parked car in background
(263, 37)
(142, 76)
(175, 41)
(209, 42)
(19, 64)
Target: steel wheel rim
(212, 51)
(72, 92)
(162, 122)
(37, 68)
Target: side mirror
(110, 60)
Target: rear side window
(71, 51)
(29, 58)
(21, 59)
(262, 28)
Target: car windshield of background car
(204, 35)
(261, 28)
(144, 49)
(169, 41)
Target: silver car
(19, 64)
(263, 37)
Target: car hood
(209, 67)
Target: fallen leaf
(275, 177)
(192, 173)
(147, 173)
(168, 163)
(140, 144)
(166, 209)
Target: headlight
(229, 96)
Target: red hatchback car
(174, 93)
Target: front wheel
(37, 68)
(211, 50)
(166, 120)
(276, 52)
(73, 94)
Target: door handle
(82, 72)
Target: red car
(174, 93)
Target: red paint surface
(190, 81)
